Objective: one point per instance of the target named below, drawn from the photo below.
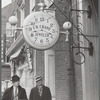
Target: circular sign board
(40, 30)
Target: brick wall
(40, 63)
(63, 78)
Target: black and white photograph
(50, 50)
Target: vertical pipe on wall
(71, 67)
(71, 71)
(34, 73)
(4, 48)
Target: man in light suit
(40, 92)
(15, 92)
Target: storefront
(54, 61)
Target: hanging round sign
(40, 30)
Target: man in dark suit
(15, 92)
(40, 92)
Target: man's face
(39, 83)
(16, 83)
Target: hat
(15, 78)
(38, 78)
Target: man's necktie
(16, 94)
(40, 91)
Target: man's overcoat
(34, 94)
(8, 94)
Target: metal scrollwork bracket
(90, 48)
(81, 54)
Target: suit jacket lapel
(11, 93)
(37, 91)
(43, 91)
(19, 91)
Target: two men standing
(16, 92)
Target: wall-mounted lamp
(67, 26)
(13, 20)
(89, 11)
